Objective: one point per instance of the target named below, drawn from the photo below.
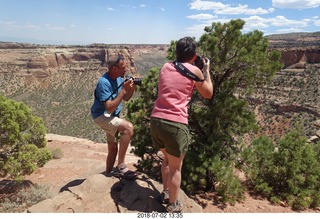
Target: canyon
(57, 81)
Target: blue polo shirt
(106, 89)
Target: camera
(136, 81)
(199, 62)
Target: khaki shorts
(173, 136)
(110, 124)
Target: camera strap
(186, 72)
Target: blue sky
(146, 21)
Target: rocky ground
(83, 158)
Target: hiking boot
(174, 207)
(163, 198)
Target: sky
(146, 21)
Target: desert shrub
(22, 140)
(287, 170)
(56, 153)
(25, 198)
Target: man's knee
(126, 128)
(129, 128)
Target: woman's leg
(174, 180)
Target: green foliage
(56, 153)
(239, 62)
(138, 112)
(23, 143)
(287, 170)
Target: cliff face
(297, 49)
(298, 58)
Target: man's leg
(112, 155)
(126, 132)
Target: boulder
(317, 123)
(108, 194)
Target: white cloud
(281, 21)
(290, 30)
(111, 9)
(201, 16)
(296, 4)
(243, 9)
(51, 27)
(255, 22)
(143, 6)
(316, 23)
(12, 25)
(206, 5)
(220, 8)
(31, 26)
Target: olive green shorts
(173, 136)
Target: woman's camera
(199, 62)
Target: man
(111, 89)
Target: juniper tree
(22, 140)
(239, 63)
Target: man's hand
(128, 85)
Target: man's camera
(199, 62)
(136, 81)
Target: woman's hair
(185, 49)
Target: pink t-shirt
(174, 94)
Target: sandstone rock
(99, 193)
(318, 133)
(317, 123)
(313, 139)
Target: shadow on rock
(71, 184)
(107, 194)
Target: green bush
(22, 140)
(287, 170)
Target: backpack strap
(186, 72)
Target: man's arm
(111, 105)
(125, 94)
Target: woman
(169, 118)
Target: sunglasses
(120, 57)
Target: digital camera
(199, 62)
(136, 81)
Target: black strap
(113, 92)
(186, 72)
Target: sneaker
(163, 198)
(125, 173)
(174, 207)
